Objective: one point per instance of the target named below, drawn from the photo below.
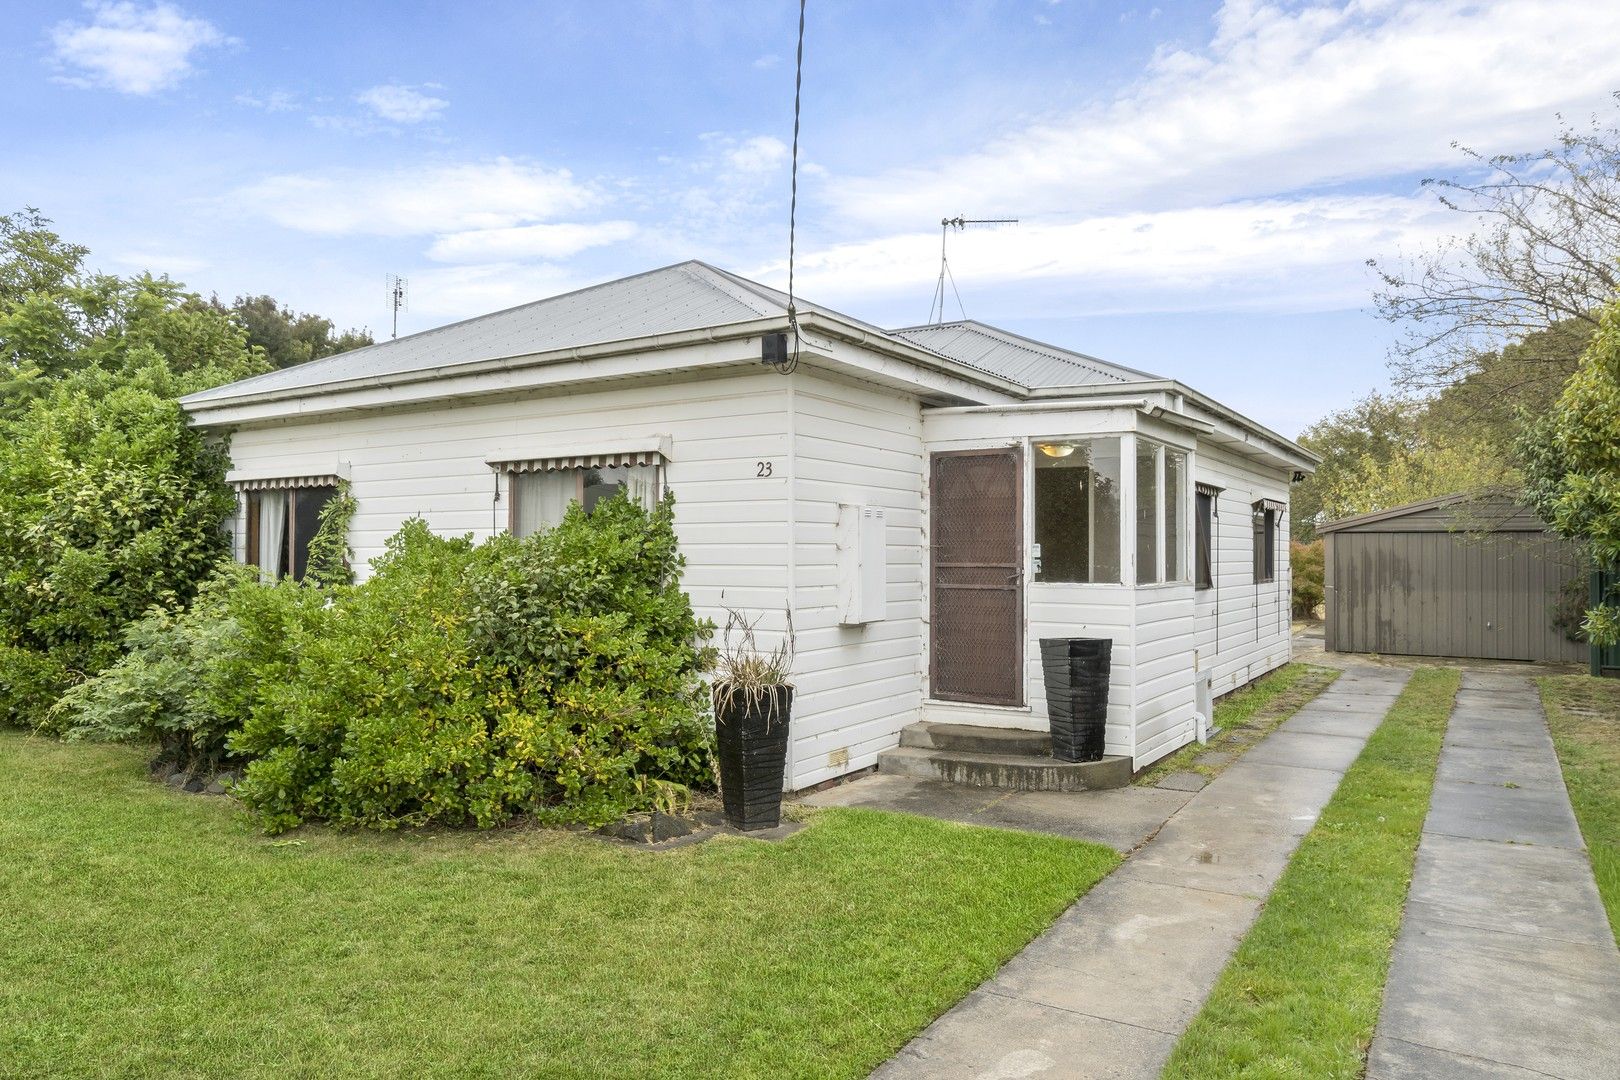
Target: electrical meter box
(863, 541)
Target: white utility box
(863, 541)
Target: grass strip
(147, 933)
(1301, 996)
(1584, 715)
(1244, 717)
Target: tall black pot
(752, 733)
(1076, 676)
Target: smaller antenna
(945, 226)
(399, 297)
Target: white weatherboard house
(928, 502)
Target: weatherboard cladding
(674, 299)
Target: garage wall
(1422, 585)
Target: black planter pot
(1076, 675)
(753, 735)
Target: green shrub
(558, 676)
(1307, 569)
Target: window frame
(1122, 531)
(1162, 538)
(1266, 517)
(253, 508)
(511, 474)
(1205, 516)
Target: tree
(1544, 254)
(1572, 458)
(1374, 430)
(289, 337)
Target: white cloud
(761, 153)
(458, 292)
(769, 60)
(423, 201)
(274, 102)
(130, 49)
(558, 241)
(1282, 97)
(402, 104)
(1272, 254)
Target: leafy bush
(557, 676)
(1308, 568)
(109, 505)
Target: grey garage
(1457, 576)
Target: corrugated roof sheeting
(689, 296)
(684, 297)
(1028, 363)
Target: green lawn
(1584, 714)
(1301, 996)
(148, 933)
(1255, 710)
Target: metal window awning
(246, 481)
(1208, 489)
(621, 453)
(1260, 506)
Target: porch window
(1161, 514)
(1077, 512)
(1266, 514)
(282, 518)
(539, 498)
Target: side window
(281, 521)
(1204, 538)
(539, 498)
(1266, 514)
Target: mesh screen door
(976, 571)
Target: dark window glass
(1204, 524)
(307, 505)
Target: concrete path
(1108, 990)
(1505, 966)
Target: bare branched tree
(1543, 253)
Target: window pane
(1077, 510)
(272, 553)
(1175, 530)
(306, 521)
(1204, 521)
(642, 481)
(1147, 511)
(539, 499)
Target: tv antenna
(945, 226)
(399, 297)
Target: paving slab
(1499, 766)
(1534, 1002)
(1140, 953)
(1308, 751)
(991, 1037)
(1185, 780)
(1513, 888)
(1505, 965)
(1122, 818)
(1526, 815)
(1396, 1059)
(1107, 991)
(1356, 725)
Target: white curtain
(272, 532)
(641, 484)
(541, 498)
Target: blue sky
(1199, 185)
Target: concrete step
(976, 739)
(1006, 772)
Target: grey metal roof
(1025, 361)
(686, 296)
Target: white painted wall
(1242, 627)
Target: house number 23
(764, 468)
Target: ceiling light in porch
(1055, 449)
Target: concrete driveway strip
(1110, 987)
(1505, 965)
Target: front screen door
(977, 576)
